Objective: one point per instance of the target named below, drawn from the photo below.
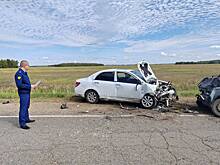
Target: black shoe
(30, 121)
(25, 127)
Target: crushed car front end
(209, 89)
(166, 93)
(209, 95)
(163, 91)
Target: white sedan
(139, 86)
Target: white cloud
(175, 44)
(192, 47)
(163, 54)
(45, 58)
(215, 46)
(168, 55)
(86, 22)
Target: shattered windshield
(138, 73)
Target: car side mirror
(139, 82)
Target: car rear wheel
(216, 107)
(92, 96)
(148, 101)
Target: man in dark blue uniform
(24, 89)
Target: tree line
(200, 62)
(8, 63)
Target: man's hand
(36, 85)
(33, 86)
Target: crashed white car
(139, 86)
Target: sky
(109, 31)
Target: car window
(105, 76)
(126, 78)
(138, 73)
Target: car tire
(92, 96)
(216, 107)
(148, 101)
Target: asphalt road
(118, 141)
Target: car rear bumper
(79, 92)
(79, 95)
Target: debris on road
(128, 107)
(157, 117)
(108, 117)
(186, 110)
(64, 106)
(84, 112)
(162, 109)
(6, 102)
(176, 107)
(144, 115)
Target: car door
(105, 85)
(128, 87)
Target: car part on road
(108, 117)
(163, 109)
(6, 102)
(144, 115)
(128, 107)
(209, 95)
(64, 106)
(84, 112)
(186, 110)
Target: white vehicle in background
(139, 86)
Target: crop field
(58, 82)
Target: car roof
(110, 70)
(113, 70)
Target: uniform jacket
(22, 82)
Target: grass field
(58, 82)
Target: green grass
(58, 82)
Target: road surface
(105, 140)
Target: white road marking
(72, 116)
(99, 116)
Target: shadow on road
(77, 99)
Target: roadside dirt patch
(79, 106)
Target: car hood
(146, 71)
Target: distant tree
(199, 62)
(8, 63)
